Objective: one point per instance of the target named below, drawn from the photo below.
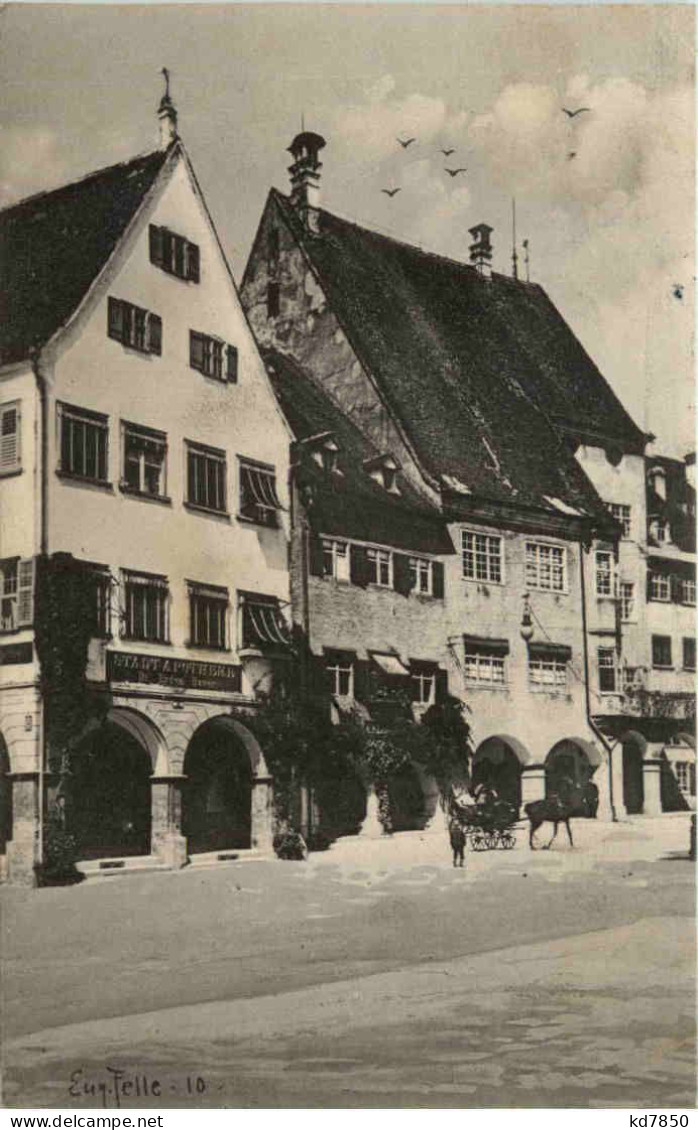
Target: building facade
(465, 380)
(145, 453)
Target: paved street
(376, 977)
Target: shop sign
(166, 671)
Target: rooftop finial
(514, 256)
(527, 260)
(167, 114)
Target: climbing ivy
(64, 624)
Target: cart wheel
(491, 840)
(479, 843)
(508, 840)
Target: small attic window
(383, 470)
(657, 480)
(325, 455)
(273, 299)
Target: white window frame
(424, 683)
(622, 512)
(547, 673)
(336, 552)
(140, 329)
(688, 592)
(16, 593)
(628, 610)
(335, 667)
(661, 531)
(422, 575)
(150, 435)
(11, 442)
(380, 561)
(660, 587)
(483, 555)
(485, 668)
(604, 573)
(604, 663)
(535, 567)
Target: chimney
(690, 462)
(167, 115)
(305, 177)
(481, 249)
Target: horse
(456, 835)
(557, 808)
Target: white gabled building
(143, 449)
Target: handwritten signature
(118, 1085)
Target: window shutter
(193, 262)
(115, 321)
(9, 437)
(155, 334)
(358, 565)
(675, 588)
(196, 351)
(361, 680)
(156, 245)
(438, 579)
(232, 364)
(315, 555)
(441, 685)
(402, 581)
(649, 585)
(25, 592)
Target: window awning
(546, 650)
(391, 664)
(260, 486)
(147, 580)
(486, 643)
(264, 624)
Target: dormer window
(383, 470)
(324, 451)
(657, 480)
(659, 530)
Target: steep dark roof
(475, 369)
(351, 504)
(679, 506)
(52, 247)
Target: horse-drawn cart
(487, 825)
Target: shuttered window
(134, 327)
(16, 593)
(174, 254)
(10, 454)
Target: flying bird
(455, 172)
(447, 152)
(390, 191)
(404, 144)
(573, 113)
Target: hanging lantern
(526, 620)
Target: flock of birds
(407, 141)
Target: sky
(605, 199)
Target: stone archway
(498, 765)
(226, 789)
(571, 764)
(634, 752)
(109, 800)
